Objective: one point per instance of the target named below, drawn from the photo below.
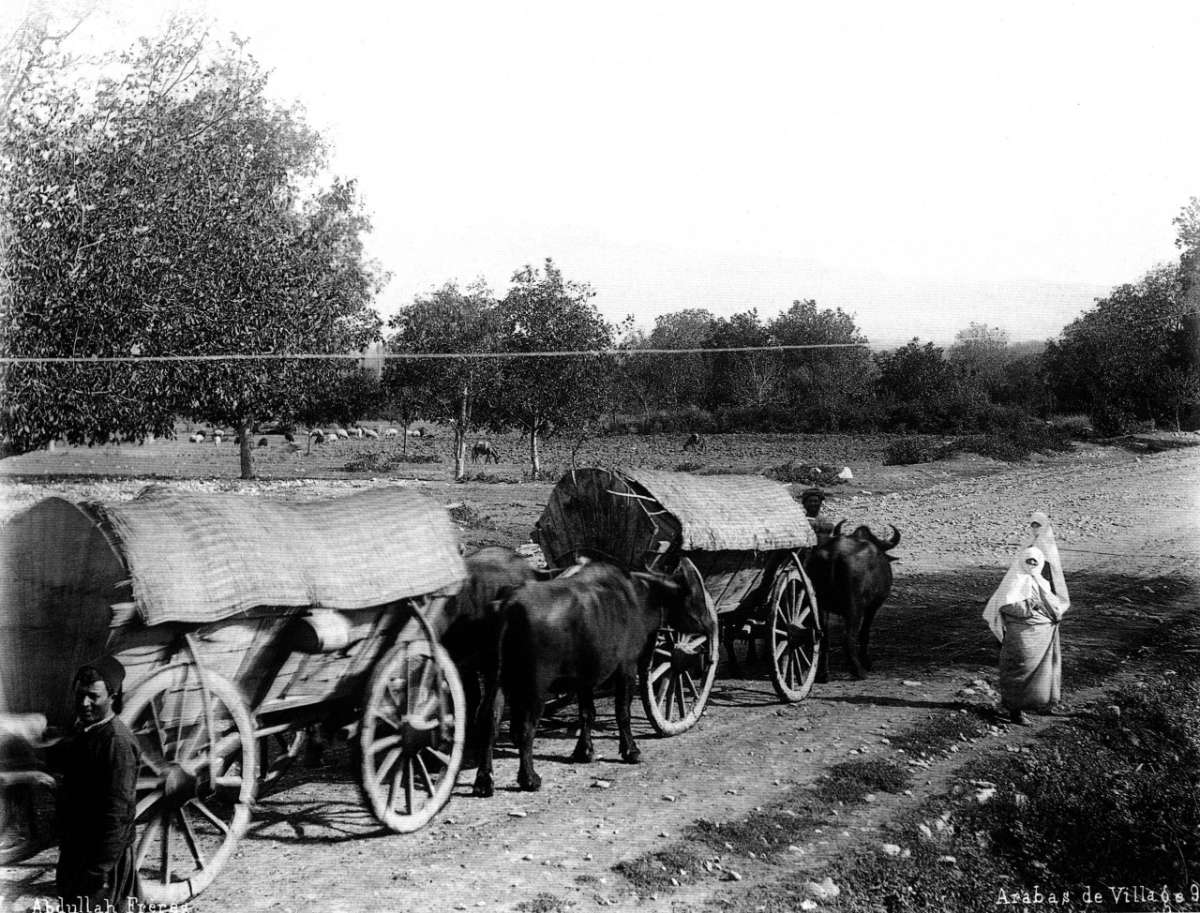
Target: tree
(744, 378)
(1187, 224)
(449, 390)
(1132, 356)
(548, 313)
(682, 380)
(979, 355)
(824, 385)
(179, 212)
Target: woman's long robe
(1030, 655)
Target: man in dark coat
(98, 796)
(812, 499)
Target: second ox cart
(743, 538)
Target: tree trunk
(535, 458)
(460, 435)
(404, 431)
(244, 446)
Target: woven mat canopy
(728, 512)
(202, 557)
(633, 515)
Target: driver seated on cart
(812, 499)
(97, 797)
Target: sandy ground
(1128, 528)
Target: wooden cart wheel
(793, 633)
(26, 815)
(277, 752)
(677, 681)
(197, 780)
(412, 733)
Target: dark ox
(852, 576)
(593, 624)
(473, 637)
(483, 450)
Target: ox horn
(894, 541)
(837, 530)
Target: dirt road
(1129, 531)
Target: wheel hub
(685, 658)
(179, 786)
(798, 636)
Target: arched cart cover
(195, 559)
(199, 558)
(632, 515)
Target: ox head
(863, 534)
(679, 597)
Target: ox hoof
(583, 756)
(632, 757)
(483, 788)
(530, 784)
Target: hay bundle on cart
(743, 537)
(241, 621)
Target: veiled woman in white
(1024, 614)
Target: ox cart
(241, 622)
(743, 539)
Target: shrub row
(958, 416)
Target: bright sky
(920, 165)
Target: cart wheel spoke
(146, 841)
(393, 793)
(165, 847)
(409, 805)
(189, 837)
(210, 815)
(389, 762)
(425, 778)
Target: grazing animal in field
(484, 450)
(392, 432)
(371, 433)
(473, 636)
(694, 442)
(316, 436)
(217, 437)
(342, 433)
(197, 438)
(576, 632)
(851, 576)
(289, 437)
(262, 442)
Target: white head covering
(1042, 537)
(1019, 583)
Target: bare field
(1129, 531)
